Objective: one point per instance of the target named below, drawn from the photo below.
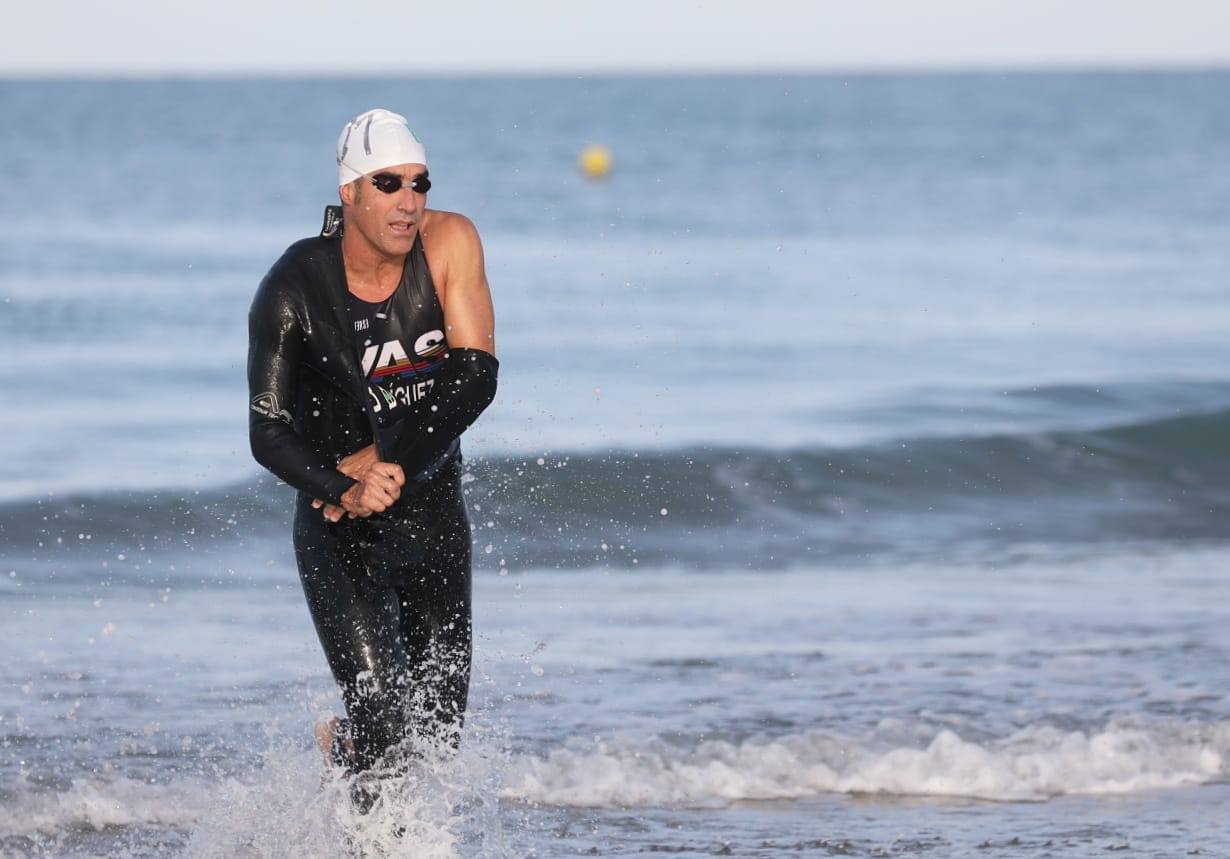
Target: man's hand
(357, 464)
(332, 512)
(376, 491)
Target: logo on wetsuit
(266, 405)
(397, 378)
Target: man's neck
(370, 273)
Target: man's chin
(397, 244)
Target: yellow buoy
(595, 161)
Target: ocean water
(858, 482)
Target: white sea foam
(448, 803)
(441, 803)
(100, 802)
(445, 804)
(1033, 764)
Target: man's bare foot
(325, 733)
(324, 737)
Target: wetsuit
(389, 594)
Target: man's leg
(435, 612)
(357, 616)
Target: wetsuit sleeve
(461, 390)
(275, 344)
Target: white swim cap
(374, 140)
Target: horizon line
(854, 70)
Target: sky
(157, 37)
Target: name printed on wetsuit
(402, 345)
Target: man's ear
(348, 193)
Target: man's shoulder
(450, 226)
(304, 262)
(305, 256)
(298, 271)
(451, 235)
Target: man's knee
(376, 704)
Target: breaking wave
(1152, 480)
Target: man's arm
(465, 385)
(275, 344)
(469, 319)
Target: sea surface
(858, 483)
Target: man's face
(389, 222)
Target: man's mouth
(401, 227)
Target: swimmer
(371, 349)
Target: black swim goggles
(391, 183)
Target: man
(372, 347)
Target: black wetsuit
(389, 594)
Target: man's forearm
(277, 447)
(461, 390)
